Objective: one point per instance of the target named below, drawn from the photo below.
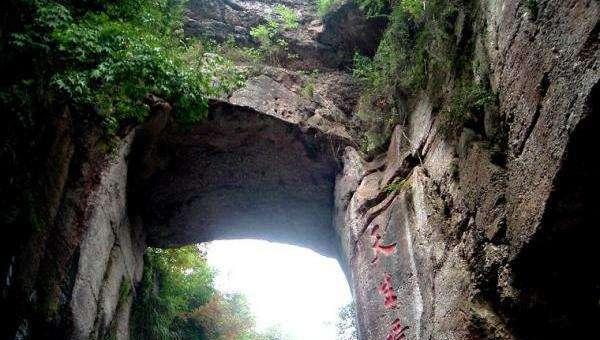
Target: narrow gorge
(455, 193)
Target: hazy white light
(287, 285)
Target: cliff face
(440, 238)
(470, 242)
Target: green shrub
(324, 6)
(272, 44)
(468, 99)
(109, 57)
(289, 18)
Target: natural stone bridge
(449, 238)
(241, 174)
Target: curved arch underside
(240, 174)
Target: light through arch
(288, 285)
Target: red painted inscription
(378, 247)
(397, 331)
(387, 291)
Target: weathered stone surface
(452, 239)
(110, 255)
(242, 174)
(489, 237)
(348, 30)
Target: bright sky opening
(287, 285)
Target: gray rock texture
(110, 258)
(241, 174)
(487, 247)
(486, 236)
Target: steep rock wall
(440, 239)
(470, 243)
(75, 278)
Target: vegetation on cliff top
(106, 57)
(97, 60)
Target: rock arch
(239, 173)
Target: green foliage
(467, 100)
(374, 7)
(231, 52)
(308, 86)
(324, 6)
(421, 50)
(124, 291)
(176, 299)
(272, 44)
(346, 323)
(109, 57)
(175, 282)
(289, 18)
(225, 317)
(395, 186)
(413, 7)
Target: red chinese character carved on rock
(379, 248)
(387, 291)
(396, 331)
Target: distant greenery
(107, 56)
(272, 44)
(346, 324)
(177, 300)
(324, 6)
(175, 282)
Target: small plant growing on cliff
(289, 18)
(468, 99)
(272, 44)
(395, 186)
(308, 86)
